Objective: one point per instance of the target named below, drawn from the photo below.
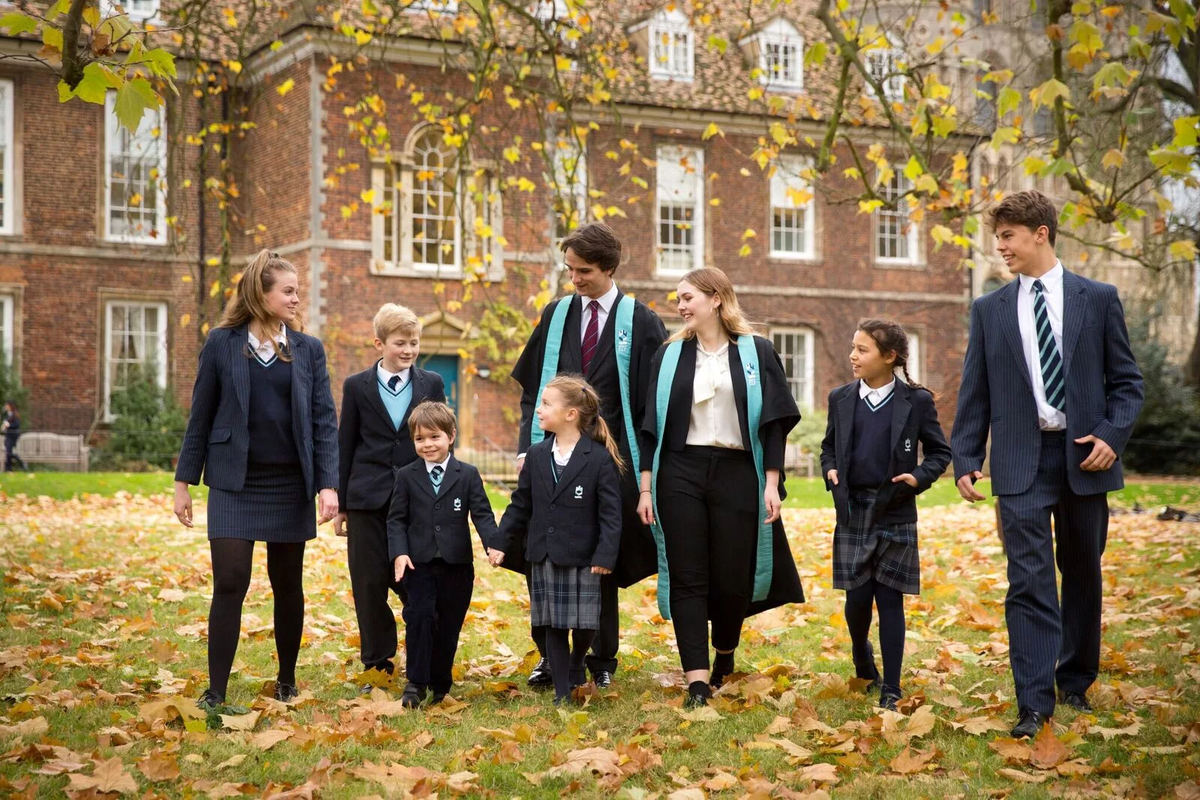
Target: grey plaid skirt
(563, 597)
(887, 553)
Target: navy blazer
(217, 441)
(421, 523)
(575, 522)
(1103, 388)
(372, 451)
(914, 420)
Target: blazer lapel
(607, 337)
(453, 472)
(845, 424)
(421, 474)
(578, 460)
(1010, 322)
(418, 385)
(681, 390)
(301, 407)
(570, 355)
(546, 469)
(370, 389)
(900, 408)
(1074, 306)
(240, 365)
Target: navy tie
(435, 477)
(393, 382)
(1053, 382)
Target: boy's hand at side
(340, 527)
(832, 476)
(402, 563)
(601, 571)
(966, 486)
(495, 557)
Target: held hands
(601, 571)
(1102, 456)
(966, 486)
(906, 478)
(402, 563)
(832, 477)
(327, 505)
(495, 557)
(771, 500)
(340, 527)
(183, 503)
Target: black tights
(231, 561)
(566, 662)
(891, 629)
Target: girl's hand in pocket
(601, 571)
(906, 478)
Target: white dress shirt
(714, 419)
(429, 465)
(385, 376)
(876, 396)
(265, 350)
(1049, 417)
(562, 458)
(606, 301)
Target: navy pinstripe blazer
(218, 432)
(1103, 386)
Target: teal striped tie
(435, 477)
(1052, 373)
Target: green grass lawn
(104, 604)
(802, 492)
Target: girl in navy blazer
(263, 431)
(869, 457)
(567, 512)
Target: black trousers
(708, 505)
(371, 579)
(1049, 643)
(439, 595)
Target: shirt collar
(876, 395)
(559, 454)
(1051, 282)
(606, 300)
(429, 465)
(280, 337)
(386, 376)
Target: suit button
(395, 469)
(437, 505)
(553, 506)
(397, 441)
(550, 529)
(437, 527)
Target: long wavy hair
(578, 394)
(712, 281)
(248, 302)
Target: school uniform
(637, 558)
(375, 445)
(871, 437)
(696, 439)
(563, 521)
(1048, 362)
(427, 521)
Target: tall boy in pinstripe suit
(1049, 370)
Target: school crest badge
(751, 375)
(623, 341)
(578, 492)
(458, 504)
(908, 445)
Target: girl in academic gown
(718, 413)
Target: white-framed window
(883, 64)
(8, 194)
(680, 194)
(672, 46)
(914, 356)
(895, 233)
(795, 349)
(140, 10)
(433, 6)
(793, 211)
(778, 49)
(7, 334)
(135, 176)
(569, 182)
(135, 338)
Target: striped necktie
(591, 336)
(393, 382)
(1053, 382)
(435, 477)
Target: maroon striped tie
(591, 337)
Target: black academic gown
(638, 557)
(779, 416)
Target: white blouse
(714, 419)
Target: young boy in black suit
(374, 446)
(429, 545)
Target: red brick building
(90, 283)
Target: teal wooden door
(447, 367)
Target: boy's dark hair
(432, 415)
(596, 244)
(1029, 208)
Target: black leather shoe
(1029, 723)
(541, 677)
(209, 700)
(414, 693)
(889, 697)
(722, 668)
(602, 678)
(1075, 700)
(286, 692)
(699, 694)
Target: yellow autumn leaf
(236, 66)
(285, 87)
(1113, 159)
(212, 290)
(184, 320)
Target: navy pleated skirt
(273, 506)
